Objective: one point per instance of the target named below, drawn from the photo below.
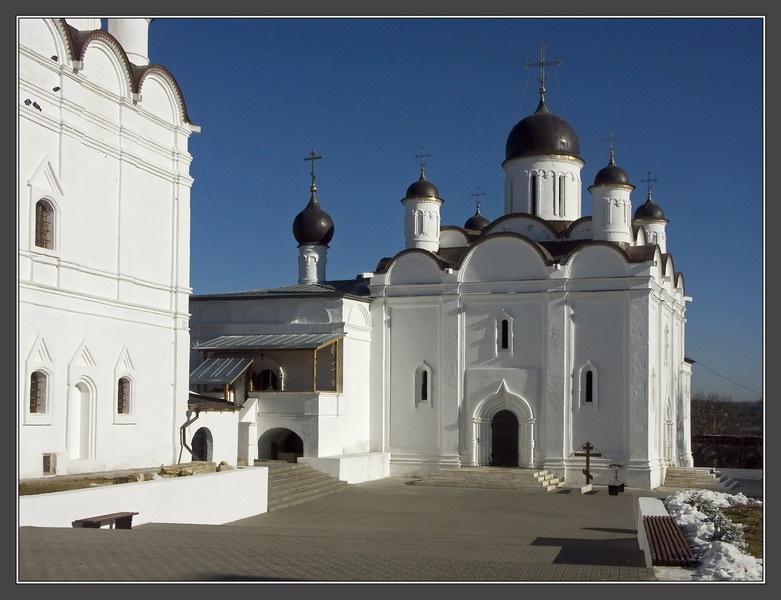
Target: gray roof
(269, 341)
(220, 370)
(342, 287)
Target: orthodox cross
(542, 64)
(477, 195)
(588, 452)
(612, 141)
(423, 155)
(649, 181)
(313, 156)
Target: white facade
(513, 345)
(104, 251)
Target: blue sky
(683, 95)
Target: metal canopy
(220, 370)
(270, 341)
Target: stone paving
(380, 531)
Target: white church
(507, 343)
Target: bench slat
(667, 543)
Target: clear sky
(684, 97)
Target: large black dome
(313, 225)
(542, 133)
(649, 210)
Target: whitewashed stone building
(507, 342)
(103, 249)
(510, 342)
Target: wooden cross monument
(587, 450)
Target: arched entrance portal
(502, 431)
(504, 439)
(202, 444)
(280, 444)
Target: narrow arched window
(562, 195)
(418, 222)
(534, 193)
(123, 396)
(44, 225)
(423, 382)
(505, 343)
(589, 395)
(38, 393)
(504, 333)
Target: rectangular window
(505, 334)
(49, 464)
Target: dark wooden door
(504, 439)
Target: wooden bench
(667, 543)
(118, 520)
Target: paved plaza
(381, 531)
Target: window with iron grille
(123, 396)
(44, 225)
(38, 393)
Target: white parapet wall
(352, 468)
(208, 499)
(648, 507)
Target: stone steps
(292, 483)
(699, 478)
(493, 478)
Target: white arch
(486, 410)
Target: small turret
(650, 217)
(313, 228)
(421, 216)
(611, 206)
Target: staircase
(293, 483)
(699, 478)
(493, 478)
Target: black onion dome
(649, 210)
(542, 133)
(313, 225)
(422, 188)
(612, 173)
(476, 221)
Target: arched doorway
(202, 445)
(280, 444)
(504, 439)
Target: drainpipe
(182, 442)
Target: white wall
(208, 499)
(110, 299)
